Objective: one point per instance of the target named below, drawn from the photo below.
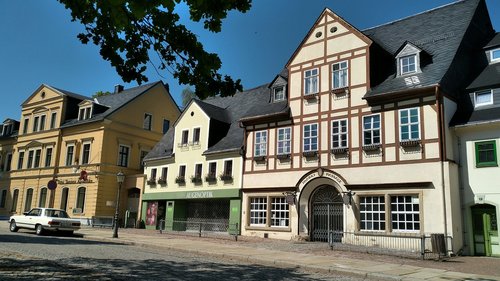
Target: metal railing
(201, 228)
(399, 244)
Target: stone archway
(327, 213)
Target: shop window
(258, 211)
(280, 215)
(405, 213)
(372, 213)
(486, 154)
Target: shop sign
(74, 181)
(199, 194)
(321, 173)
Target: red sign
(83, 176)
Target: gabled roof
(113, 102)
(58, 91)
(489, 78)
(430, 30)
(228, 110)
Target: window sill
(340, 91)
(409, 143)
(339, 150)
(259, 158)
(310, 96)
(486, 165)
(310, 154)
(283, 156)
(372, 147)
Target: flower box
(310, 154)
(151, 181)
(210, 178)
(409, 143)
(339, 150)
(162, 181)
(225, 177)
(371, 147)
(196, 179)
(180, 180)
(283, 156)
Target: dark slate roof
(489, 78)
(163, 148)
(432, 32)
(214, 112)
(70, 94)
(113, 102)
(495, 42)
(230, 110)
(491, 114)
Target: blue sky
(39, 43)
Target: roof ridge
(417, 14)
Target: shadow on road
(123, 269)
(49, 239)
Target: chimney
(118, 88)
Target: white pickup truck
(42, 219)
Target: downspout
(462, 195)
(440, 101)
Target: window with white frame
(48, 156)
(36, 162)
(339, 75)
(85, 153)
(153, 174)
(311, 78)
(36, 121)
(70, 151)
(483, 98)
(371, 130)
(198, 170)
(260, 143)
(212, 169)
(228, 168)
(80, 200)
(31, 154)
(85, 113)
(495, 55)
(284, 141)
(164, 173)
(185, 136)
(310, 137)
(20, 160)
(409, 124)
(372, 213)
(339, 134)
(26, 124)
(148, 118)
(182, 171)
(405, 213)
(280, 215)
(123, 154)
(408, 64)
(258, 211)
(53, 120)
(196, 135)
(279, 93)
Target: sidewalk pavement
(278, 257)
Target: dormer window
(495, 55)
(483, 98)
(279, 94)
(408, 64)
(7, 129)
(408, 59)
(85, 113)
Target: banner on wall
(151, 213)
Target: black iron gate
(327, 214)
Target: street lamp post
(120, 178)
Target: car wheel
(39, 229)
(13, 227)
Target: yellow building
(70, 147)
(8, 138)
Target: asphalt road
(25, 256)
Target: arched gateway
(327, 213)
(321, 205)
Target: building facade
(70, 147)
(194, 174)
(478, 135)
(366, 147)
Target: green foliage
(101, 93)
(127, 30)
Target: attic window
(408, 64)
(483, 98)
(495, 55)
(279, 94)
(85, 113)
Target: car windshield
(56, 213)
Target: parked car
(44, 219)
